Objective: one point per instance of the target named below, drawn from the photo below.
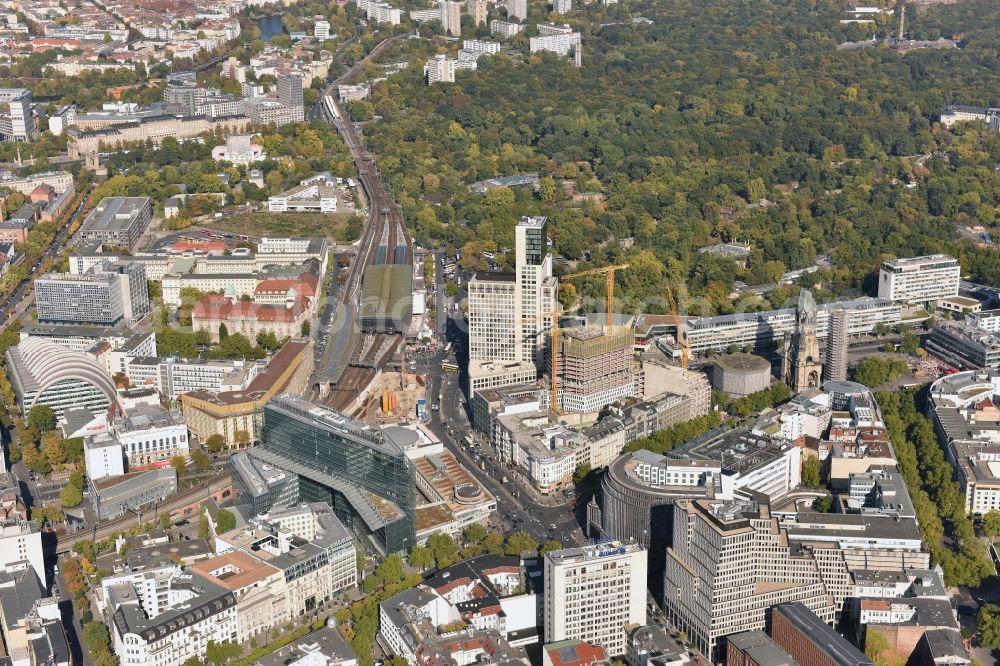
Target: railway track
(108, 527)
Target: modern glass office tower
(356, 468)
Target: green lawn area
(341, 227)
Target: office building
(113, 497)
(173, 376)
(561, 40)
(573, 653)
(760, 330)
(290, 89)
(88, 143)
(965, 345)
(440, 69)
(321, 30)
(477, 9)
(259, 590)
(197, 611)
(324, 647)
(104, 457)
(484, 595)
(16, 120)
(450, 15)
(21, 547)
(593, 593)
(317, 194)
(318, 524)
(517, 9)
(966, 418)
(710, 592)
(118, 221)
(651, 645)
(106, 295)
(238, 413)
(755, 648)
(509, 315)
(594, 368)
(304, 566)
(811, 640)
(835, 363)
(919, 280)
(45, 373)
(360, 470)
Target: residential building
(450, 15)
(238, 415)
(594, 592)
(835, 363)
(23, 610)
(562, 6)
(21, 547)
(440, 69)
(116, 496)
(810, 640)
(957, 113)
(359, 469)
(46, 373)
(560, 40)
(505, 29)
(919, 279)
(239, 149)
(259, 589)
(509, 315)
(988, 320)
(321, 30)
(517, 9)
(477, 9)
(196, 612)
(380, 12)
(16, 120)
(480, 46)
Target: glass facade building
(355, 468)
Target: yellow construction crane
(609, 273)
(682, 340)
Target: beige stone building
(239, 415)
(259, 588)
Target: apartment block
(593, 593)
(561, 40)
(21, 547)
(440, 69)
(919, 279)
(318, 524)
(477, 9)
(517, 9)
(450, 15)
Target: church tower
(801, 367)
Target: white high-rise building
(561, 40)
(450, 13)
(321, 30)
(21, 547)
(440, 69)
(562, 6)
(592, 593)
(919, 279)
(517, 9)
(509, 315)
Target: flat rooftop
(114, 213)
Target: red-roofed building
(277, 291)
(217, 248)
(284, 320)
(44, 194)
(572, 653)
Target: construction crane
(682, 341)
(609, 273)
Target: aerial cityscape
(522, 332)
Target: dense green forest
(682, 126)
